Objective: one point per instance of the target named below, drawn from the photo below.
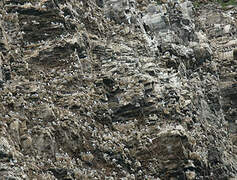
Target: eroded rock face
(116, 89)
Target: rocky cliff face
(109, 89)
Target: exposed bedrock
(108, 89)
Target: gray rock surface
(117, 89)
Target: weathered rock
(169, 146)
(112, 89)
(26, 143)
(155, 22)
(100, 3)
(202, 53)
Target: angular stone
(6, 151)
(202, 54)
(155, 22)
(171, 149)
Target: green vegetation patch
(158, 2)
(196, 4)
(230, 2)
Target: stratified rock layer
(106, 89)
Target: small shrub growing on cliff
(227, 3)
(158, 2)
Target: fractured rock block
(155, 22)
(202, 53)
(170, 149)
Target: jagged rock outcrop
(106, 89)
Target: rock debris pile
(111, 89)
